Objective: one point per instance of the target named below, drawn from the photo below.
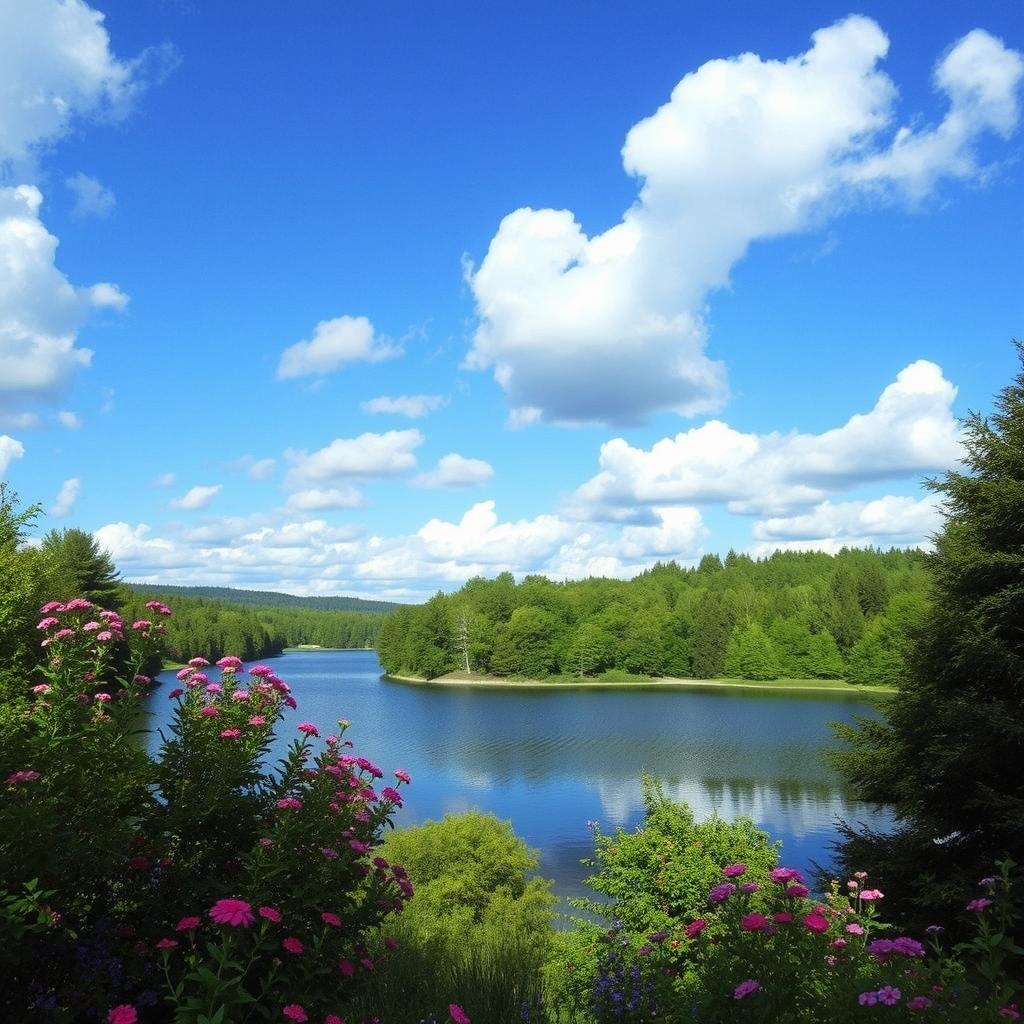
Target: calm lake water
(550, 761)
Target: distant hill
(269, 598)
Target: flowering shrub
(801, 959)
(200, 884)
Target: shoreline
(662, 682)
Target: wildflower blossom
(257, 721)
(261, 670)
(198, 662)
(293, 945)
(815, 922)
(783, 917)
(458, 1014)
(868, 998)
(295, 1012)
(979, 904)
(871, 894)
(214, 688)
(184, 673)
(186, 924)
(291, 702)
(176, 692)
(749, 887)
(919, 1003)
(347, 968)
(855, 929)
(235, 913)
(734, 870)
(103, 698)
(167, 944)
(783, 875)
(754, 922)
(229, 663)
(289, 803)
(358, 846)
(240, 695)
(230, 734)
(308, 728)
(123, 1014)
(270, 914)
(797, 891)
(332, 919)
(48, 623)
(695, 928)
(720, 893)
(746, 988)
(403, 776)
(889, 996)
(333, 1018)
(988, 880)
(210, 712)
(391, 795)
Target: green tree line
(797, 615)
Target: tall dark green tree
(948, 751)
(81, 568)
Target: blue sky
(656, 279)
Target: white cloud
(318, 500)
(345, 339)
(887, 521)
(910, 430)
(66, 498)
(611, 327)
(262, 469)
(454, 470)
(69, 419)
(40, 310)
(164, 480)
(92, 198)
(196, 497)
(368, 455)
(9, 451)
(56, 66)
(413, 406)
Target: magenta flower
(15, 778)
(815, 922)
(230, 734)
(358, 847)
(695, 928)
(308, 728)
(458, 1014)
(214, 688)
(720, 893)
(257, 720)
(104, 636)
(749, 887)
(198, 662)
(919, 1003)
(235, 913)
(855, 929)
(289, 803)
(333, 1018)
(979, 904)
(186, 924)
(51, 606)
(90, 627)
(734, 870)
(240, 695)
(293, 945)
(229, 663)
(403, 776)
(783, 875)
(347, 968)
(123, 1014)
(746, 988)
(261, 670)
(907, 946)
(48, 623)
(391, 943)
(291, 702)
(888, 995)
(79, 604)
(332, 919)
(210, 712)
(183, 673)
(142, 624)
(754, 922)
(295, 1012)
(270, 914)
(871, 894)
(797, 891)
(867, 998)
(176, 692)
(167, 944)
(103, 698)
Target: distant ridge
(268, 598)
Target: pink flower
(391, 795)
(142, 624)
(391, 943)
(290, 701)
(62, 634)
(919, 1003)
(403, 776)
(359, 847)
(855, 929)
(889, 995)
(797, 891)
(333, 1018)
(167, 944)
(186, 924)
(871, 894)
(123, 1014)
(236, 913)
(720, 893)
(458, 1014)
(210, 712)
(78, 604)
(734, 870)
(815, 922)
(783, 875)
(240, 695)
(104, 636)
(48, 623)
(695, 928)
(293, 945)
(183, 673)
(332, 919)
(230, 734)
(329, 852)
(308, 728)
(198, 662)
(269, 913)
(102, 697)
(746, 988)
(867, 998)
(229, 663)
(979, 904)
(289, 803)
(176, 692)
(783, 917)
(214, 688)
(367, 963)
(257, 720)
(90, 627)
(51, 606)
(261, 670)
(749, 887)
(347, 968)
(754, 922)
(295, 1012)
(265, 841)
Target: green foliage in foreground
(477, 932)
(949, 751)
(797, 615)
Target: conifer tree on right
(948, 752)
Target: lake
(550, 761)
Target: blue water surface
(552, 760)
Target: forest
(794, 615)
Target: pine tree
(81, 568)
(712, 625)
(947, 754)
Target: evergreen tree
(948, 752)
(824, 660)
(81, 568)
(751, 654)
(712, 625)
(846, 618)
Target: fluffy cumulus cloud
(890, 520)
(346, 339)
(368, 455)
(70, 420)
(66, 498)
(56, 67)
(196, 497)
(40, 310)
(316, 499)
(910, 430)
(454, 470)
(92, 198)
(744, 149)
(413, 406)
(10, 449)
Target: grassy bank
(623, 681)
